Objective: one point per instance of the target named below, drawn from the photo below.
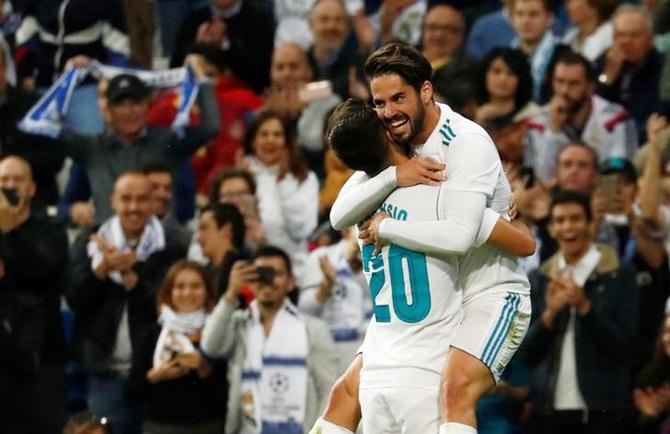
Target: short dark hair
(226, 174)
(356, 135)
(227, 213)
(561, 197)
(569, 57)
(401, 59)
(274, 252)
(518, 63)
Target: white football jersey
(472, 163)
(416, 306)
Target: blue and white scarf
(274, 375)
(44, 118)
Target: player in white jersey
(416, 300)
(496, 305)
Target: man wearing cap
(128, 141)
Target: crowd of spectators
(163, 281)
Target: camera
(265, 274)
(12, 196)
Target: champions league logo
(279, 383)
(339, 291)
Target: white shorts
(493, 326)
(399, 410)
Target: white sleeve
(218, 336)
(299, 203)
(310, 280)
(471, 164)
(473, 167)
(361, 196)
(455, 234)
(489, 221)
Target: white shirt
(288, 210)
(415, 301)
(595, 44)
(567, 395)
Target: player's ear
(426, 92)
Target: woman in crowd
(592, 33)
(504, 96)
(288, 193)
(182, 391)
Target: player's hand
(420, 170)
(369, 232)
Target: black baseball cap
(619, 165)
(126, 85)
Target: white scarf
(151, 241)
(173, 338)
(343, 311)
(44, 117)
(274, 375)
(584, 267)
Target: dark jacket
(182, 401)
(337, 71)
(35, 257)
(104, 157)
(99, 304)
(59, 19)
(604, 337)
(251, 34)
(637, 89)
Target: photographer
(281, 362)
(33, 257)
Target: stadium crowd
(150, 275)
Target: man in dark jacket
(582, 333)
(242, 29)
(630, 70)
(44, 156)
(114, 278)
(33, 258)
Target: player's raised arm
(472, 168)
(514, 237)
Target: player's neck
(431, 119)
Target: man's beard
(575, 106)
(415, 124)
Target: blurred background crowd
(119, 236)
